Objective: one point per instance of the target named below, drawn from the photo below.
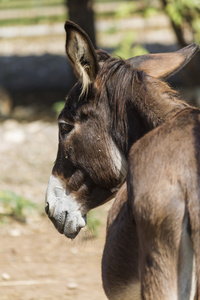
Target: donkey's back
(163, 191)
(159, 223)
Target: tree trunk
(81, 12)
(177, 29)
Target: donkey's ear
(81, 53)
(164, 65)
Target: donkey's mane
(136, 89)
(115, 71)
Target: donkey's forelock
(86, 81)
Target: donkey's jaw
(63, 209)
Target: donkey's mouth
(69, 224)
(73, 225)
(61, 225)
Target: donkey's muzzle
(63, 209)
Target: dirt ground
(36, 262)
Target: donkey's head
(97, 127)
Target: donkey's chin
(71, 235)
(71, 225)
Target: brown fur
(163, 186)
(117, 111)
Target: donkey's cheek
(63, 209)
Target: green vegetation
(15, 206)
(184, 14)
(126, 10)
(93, 224)
(125, 48)
(58, 106)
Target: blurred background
(35, 76)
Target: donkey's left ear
(81, 53)
(164, 65)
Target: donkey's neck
(157, 102)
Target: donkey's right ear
(81, 53)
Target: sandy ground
(36, 262)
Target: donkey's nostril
(47, 208)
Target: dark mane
(112, 72)
(119, 96)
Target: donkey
(119, 107)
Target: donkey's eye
(65, 128)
